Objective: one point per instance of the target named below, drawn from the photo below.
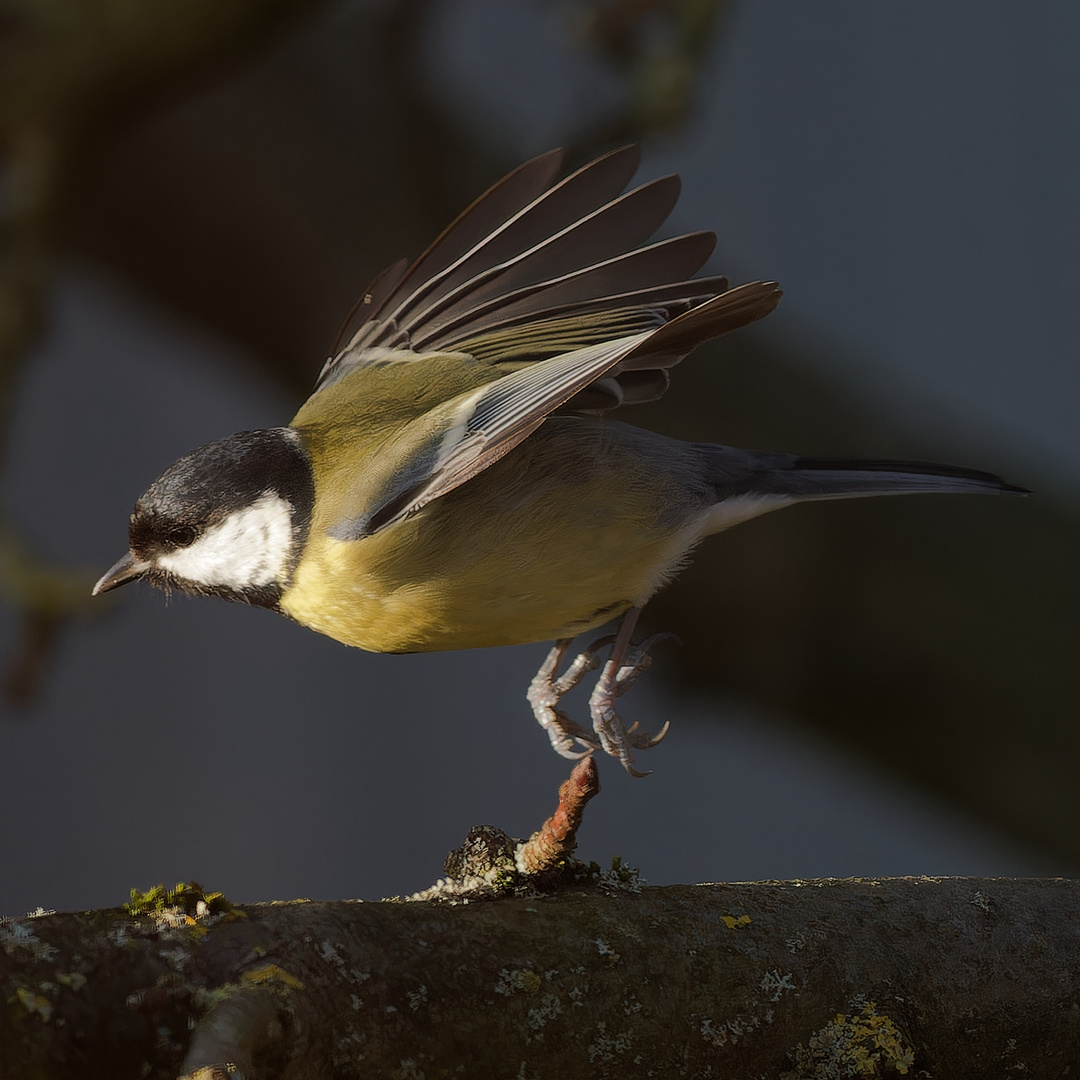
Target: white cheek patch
(249, 548)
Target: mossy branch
(956, 977)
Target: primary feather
(537, 268)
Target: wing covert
(453, 443)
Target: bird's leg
(546, 690)
(620, 672)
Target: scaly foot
(546, 690)
(621, 670)
(618, 676)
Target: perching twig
(555, 840)
(490, 863)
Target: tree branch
(955, 977)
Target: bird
(455, 480)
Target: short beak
(127, 569)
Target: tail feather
(747, 483)
(831, 478)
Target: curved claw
(562, 732)
(573, 755)
(562, 739)
(645, 741)
(626, 757)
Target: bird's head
(229, 519)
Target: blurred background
(192, 196)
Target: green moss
(187, 897)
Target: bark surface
(929, 977)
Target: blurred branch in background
(73, 75)
(262, 209)
(934, 634)
(659, 48)
(46, 597)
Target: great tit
(455, 482)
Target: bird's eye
(181, 536)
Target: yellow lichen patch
(270, 973)
(520, 981)
(866, 1044)
(37, 1004)
(731, 921)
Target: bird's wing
(537, 268)
(455, 441)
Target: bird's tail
(749, 483)
(835, 478)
